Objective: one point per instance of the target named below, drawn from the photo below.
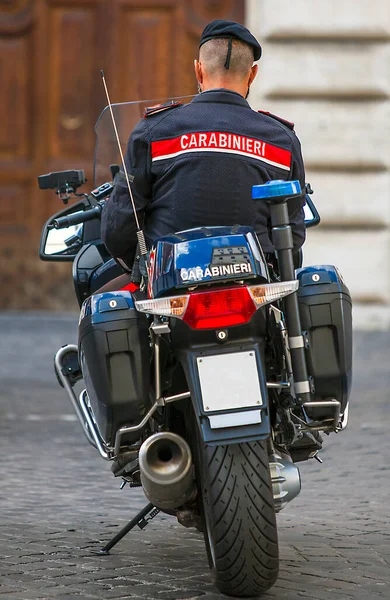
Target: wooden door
(51, 53)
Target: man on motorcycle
(194, 165)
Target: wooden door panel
(15, 108)
(72, 32)
(147, 44)
(201, 12)
(14, 208)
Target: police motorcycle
(209, 381)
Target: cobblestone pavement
(59, 500)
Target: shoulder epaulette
(283, 121)
(153, 110)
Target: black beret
(230, 29)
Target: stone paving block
(9, 589)
(180, 595)
(325, 594)
(144, 590)
(66, 596)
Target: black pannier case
(115, 361)
(325, 308)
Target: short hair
(214, 52)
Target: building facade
(326, 67)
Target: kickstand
(139, 520)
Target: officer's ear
(198, 71)
(252, 74)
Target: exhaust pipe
(285, 477)
(167, 473)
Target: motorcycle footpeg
(322, 414)
(70, 368)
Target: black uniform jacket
(194, 165)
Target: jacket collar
(221, 95)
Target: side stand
(139, 520)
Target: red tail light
(220, 308)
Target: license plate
(229, 381)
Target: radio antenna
(140, 234)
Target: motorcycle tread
(239, 500)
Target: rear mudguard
(233, 433)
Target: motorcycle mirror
(63, 242)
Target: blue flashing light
(275, 189)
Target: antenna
(140, 234)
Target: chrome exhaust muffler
(285, 477)
(167, 472)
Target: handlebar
(78, 217)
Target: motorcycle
(206, 383)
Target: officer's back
(194, 165)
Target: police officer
(194, 165)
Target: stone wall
(326, 67)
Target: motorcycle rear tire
(240, 521)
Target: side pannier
(325, 308)
(115, 362)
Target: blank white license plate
(229, 381)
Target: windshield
(127, 115)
